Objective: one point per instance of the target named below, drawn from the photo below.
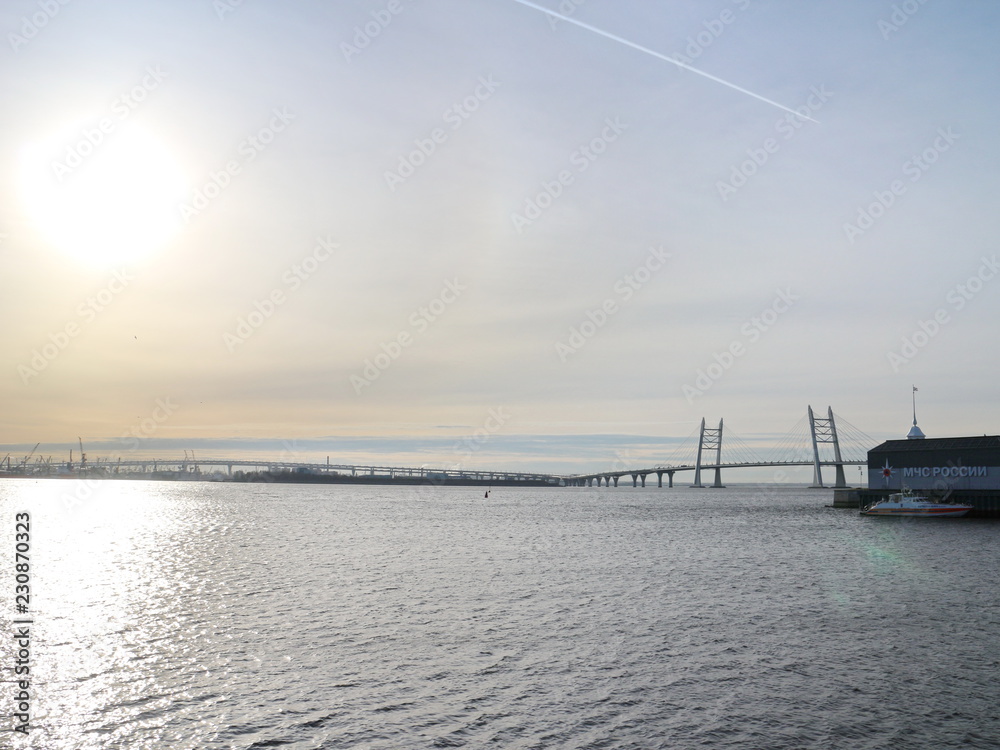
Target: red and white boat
(907, 505)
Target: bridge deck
(352, 470)
(399, 472)
(705, 467)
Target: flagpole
(915, 432)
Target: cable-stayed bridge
(814, 441)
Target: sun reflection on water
(110, 595)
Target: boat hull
(938, 511)
(908, 505)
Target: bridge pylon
(710, 439)
(825, 431)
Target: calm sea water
(198, 615)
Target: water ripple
(224, 616)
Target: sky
(430, 232)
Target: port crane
(24, 463)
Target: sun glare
(104, 203)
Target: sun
(104, 198)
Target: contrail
(655, 54)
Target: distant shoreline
(291, 477)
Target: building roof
(932, 444)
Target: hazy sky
(413, 220)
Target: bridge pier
(670, 479)
(643, 478)
(717, 484)
(635, 480)
(659, 479)
(616, 481)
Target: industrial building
(959, 469)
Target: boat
(908, 505)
